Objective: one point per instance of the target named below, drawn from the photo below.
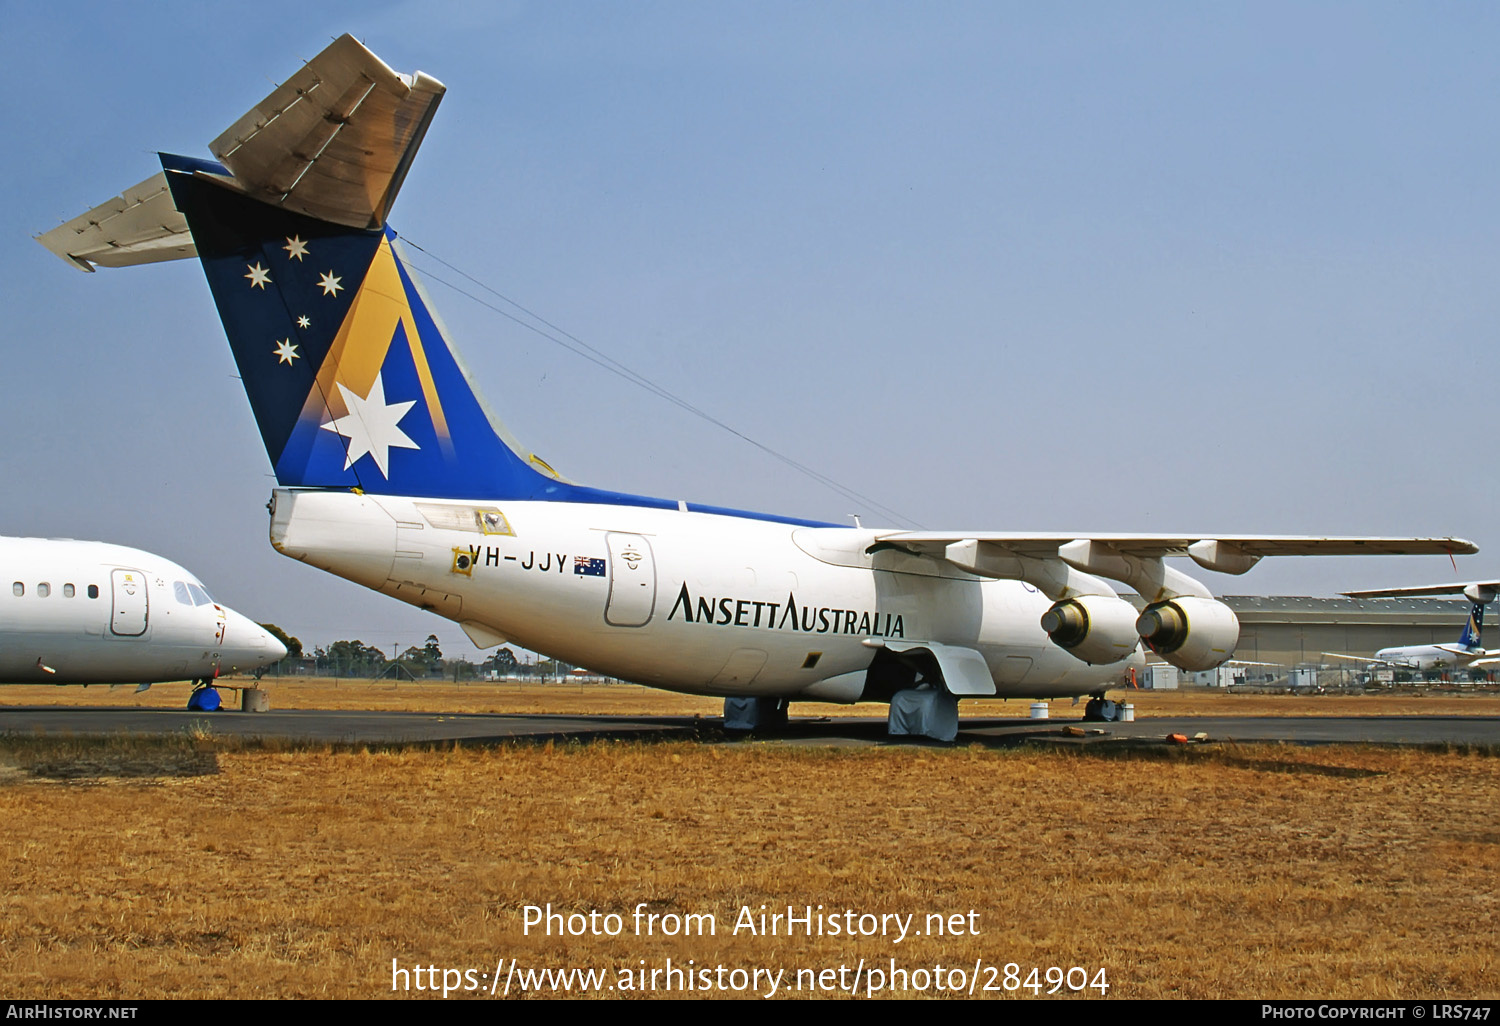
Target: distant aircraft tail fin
(1471, 637)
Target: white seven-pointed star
(258, 275)
(330, 284)
(295, 248)
(285, 352)
(371, 426)
(304, 321)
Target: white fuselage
(1424, 657)
(83, 612)
(695, 602)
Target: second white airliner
(86, 612)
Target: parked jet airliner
(83, 612)
(394, 474)
(1468, 653)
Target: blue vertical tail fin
(1471, 638)
(349, 373)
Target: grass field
(192, 867)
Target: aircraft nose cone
(248, 644)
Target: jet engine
(1189, 632)
(1098, 629)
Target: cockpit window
(180, 590)
(200, 597)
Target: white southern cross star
(371, 426)
(295, 248)
(304, 321)
(330, 284)
(285, 352)
(258, 275)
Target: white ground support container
(1160, 677)
(1304, 678)
(1228, 676)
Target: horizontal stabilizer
(140, 227)
(336, 139)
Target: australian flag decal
(586, 566)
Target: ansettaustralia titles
(765, 921)
(786, 616)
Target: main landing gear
(1101, 710)
(745, 714)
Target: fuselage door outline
(632, 581)
(130, 613)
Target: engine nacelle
(1190, 633)
(1095, 628)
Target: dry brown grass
(1259, 871)
(571, 698)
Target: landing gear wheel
(1093, 712)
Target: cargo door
(632, 581)
(129, 594)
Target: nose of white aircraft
(247, 645)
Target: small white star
(285, 352)
(330, 284)
(258, 275)
(371, 426)
(295, 248)
(304, 321)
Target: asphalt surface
(478, 728)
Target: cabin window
(93, 591)
(180, 590)
(67, 591)
(43, 590)
(18, 588)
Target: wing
(1203, 549)
(1135, 559)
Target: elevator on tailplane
(394, 474)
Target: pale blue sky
(1157, 267)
